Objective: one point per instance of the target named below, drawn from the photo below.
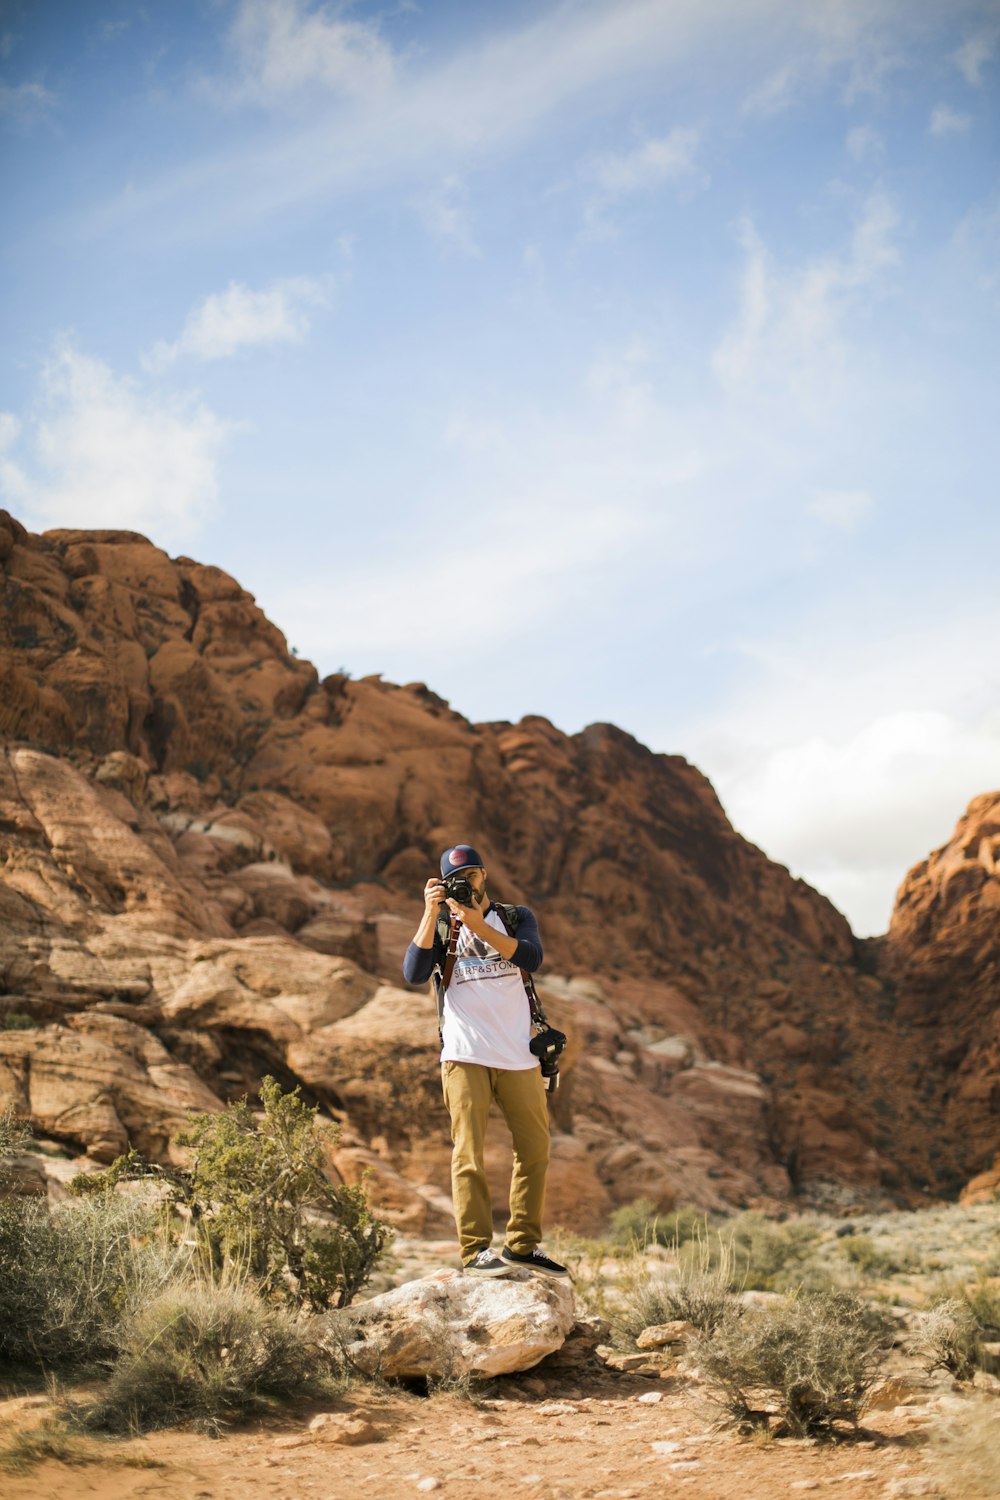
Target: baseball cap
(461, 857)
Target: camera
(547, 1047)
(459, 888)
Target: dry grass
(699, 1291)
(808, 1360)
(948, 1338)
(207, 1355)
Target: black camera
(459, 888)
(547, 1046)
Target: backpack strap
(446, 930)
(510, 917)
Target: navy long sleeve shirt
(418, 963)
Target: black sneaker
(534, 1261)
(486, 1264)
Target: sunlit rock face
(211, 862)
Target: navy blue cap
(461, 857)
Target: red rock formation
(183, 804)
(942, 957)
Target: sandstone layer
(210, 864)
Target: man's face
(476, 877)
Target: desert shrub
(984, 1299)
(863, 1253)
(207, 1354)
(948, 1338)
(69, 1275)
(15, 1135)
(764, 1256)
(639, 1223)
(814, 1357)
(699, 1292)
(260, 1201)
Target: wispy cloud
(947, 121)
(613, 177)
(975, 52)
(843, 509)
(26, 103)
(444, 212)
(777, 93)
(379, 116)
(865, 143)
(103, 451)
(239, 318)
(791, 319)
(285, 47)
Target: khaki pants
(469, 1090)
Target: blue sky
(630, 361)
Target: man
(485, 1056)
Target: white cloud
(849, 755)
(104, 452)
(865, 143)
(844, 509)
(444, 213)
(775, 94)
(284, 46)
(25, 103)
(653, 161)
(853, 814)
(487, 97)
(241, 318)
(975, 53)
(614, 176)
(790, 326)
(947, 121)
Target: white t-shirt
(487, 1019)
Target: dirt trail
(537, 1446)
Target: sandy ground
(530, 1442)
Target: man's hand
(433, 895)
(472, 916)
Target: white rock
(649, 1398)
(453, 1325)
(666, 1447)
(430, 1483)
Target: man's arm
(528, 953)
(425, 949)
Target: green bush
(261, 1203)
(206, 1354)
(813, 1357)
(69, 1275)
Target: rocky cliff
(210, 863)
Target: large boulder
(451, 1325)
